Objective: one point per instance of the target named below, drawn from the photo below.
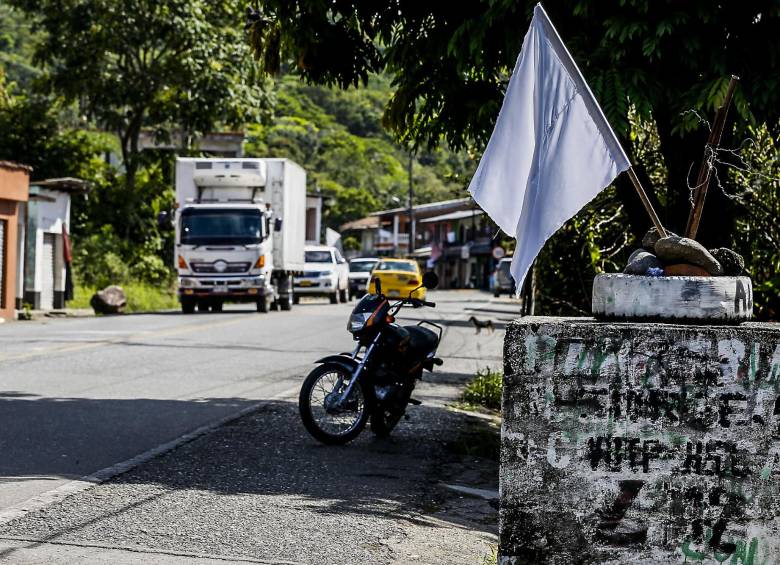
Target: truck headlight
(326, 273)
(185, 283)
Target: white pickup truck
(240, 228)
(325, 273)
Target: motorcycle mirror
(430, 280)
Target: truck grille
(238, 267)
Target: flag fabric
(552, 149)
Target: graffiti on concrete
(640, 440)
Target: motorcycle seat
(421, 340)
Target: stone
(675, 249)
(110, 300)
(651, 237)
(685, 270)
(732, 262)
(640, 261)
(619, 441)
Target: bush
(485, 389)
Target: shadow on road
(73, 437)
(268, 476)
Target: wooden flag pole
(705, 170)
(646, 201)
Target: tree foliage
(338, 138)
(450, 63)
(164, 65)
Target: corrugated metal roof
(453, 216)
(13, 166)
(367, 223)
(65, 184)
(426, 207)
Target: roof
(430, 207)
(14, 166)
(367, 223)
(65, 184)
(399, 259)
(460, 215)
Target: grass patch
(478, 439)
(141, 297)
(485, 389)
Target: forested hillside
(336, 135)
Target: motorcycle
(346, 391)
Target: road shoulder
(259, 488)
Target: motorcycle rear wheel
(334, 426)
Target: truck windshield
(221, 226)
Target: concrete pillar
(631, 442)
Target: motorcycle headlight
(358, 321)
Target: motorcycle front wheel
(325, 417)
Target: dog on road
(480, 325)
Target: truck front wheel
(187, 306)
(262, 305)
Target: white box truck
(240, 229)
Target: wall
(14, 181)
(47, 211)
(645, 443)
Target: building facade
(14, 192)
(455, 238)
(48, 218)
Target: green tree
(338, 138)
(160, 64)
(450, 64)
(33, 133)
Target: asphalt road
(81, 395)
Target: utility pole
(412, 234)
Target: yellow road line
(146, 334)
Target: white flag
(552, 149)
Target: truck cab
(237, 224)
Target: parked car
(502, 278)
(325, 273)
(398, 278)
(359, 275)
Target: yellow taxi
(398, 278)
